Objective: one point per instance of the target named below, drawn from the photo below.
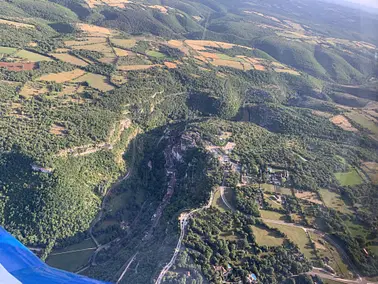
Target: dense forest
(118, 121)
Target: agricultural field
(31, 56)
(218, 202)
(342, 122)
(329, 255)
(364, 120)
(265, 237)
(308, 196)
(371, 169)
(95, 81)
(265, 214)
(333, 200)
(349, 178)
(298, 236)
(70, 59)
(63, 76)
(154, 53)
(7, 50)
(17, 24)
(72, 257)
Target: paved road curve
(183, 223)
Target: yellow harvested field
(109, 60)
(170, 65)
(262, 15)
(209, 55)
(371, 169)
(343, 123)
(63, 76)
(121, 52)
(16, 24)
(62, 50)
(96, 81)
(112, 3)
(33, 44)
(100, 47)
(69, 58)
(259, 67)
(57, 129)
(95, 30)
(85, 41)
(33, 89)
(228, 63)
(309, 196)
(175, 43)
(135, 67)
(125, 43)
(322, 113)
(162, 9)
(201, 43)
(285, 70)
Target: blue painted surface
(29, 269)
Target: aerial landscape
(192, 141)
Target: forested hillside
(198, 141)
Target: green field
(154, 53)
(265, 237)
(226, 57)
(297, 236)
(7, 50)
(267, 187)
(96, 81)
(324, 250)
(218, 202)
(333, 200)
(271, 202)
(32, 56)
(71, 261)
(356, 229)
(349, 178)
(272, 215)
(363, 121)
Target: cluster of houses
(276, 177)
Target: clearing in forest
(135, 67)
(70, 59)
(121, 52)
(364, 120)
(58, 130)
(104, 48)
(329, 255)
(266, 237)
(17, 66)
(309, 196)
(154, 53)
(84, 41)
(73, 257)
(63, 76)
(96, 81)
(170, 65)
(371, 169)
(123, 43)
(343, 123)
(272, 215)
(94, 30)
(162, 9)
(349, 178)
(33, 89)
(333, 200)
(7, 50)
(31, 56)
(17, 24)
(298, 236)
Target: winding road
(183, 223)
